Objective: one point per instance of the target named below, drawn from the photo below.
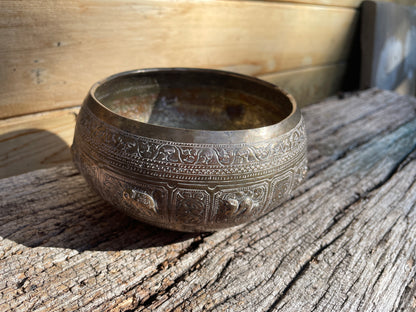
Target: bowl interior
(204, 100)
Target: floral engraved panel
(280, 190)
(190, 205)
(240, 202)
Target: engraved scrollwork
(245, 155)
(262, 152)
(167, 153)
(147, 150)
(189, 155)
(225, 155)
(207, 156)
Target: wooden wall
(52, 51)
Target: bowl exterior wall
(188, 186)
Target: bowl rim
(184, 135)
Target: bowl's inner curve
(194, 101)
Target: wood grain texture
(53, 51)
(310, 85)
(342, 3)
(337, 3)
(36, 141)
(345, 242)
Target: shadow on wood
(69, 214)
(29, 149)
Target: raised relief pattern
(240, 202)
(190, 183)
(141, 200)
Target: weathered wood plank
(53, 51)
(36, 141)
(345, 241)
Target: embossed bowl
(190, 149)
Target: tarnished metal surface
(190, 149)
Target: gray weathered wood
(345, 242)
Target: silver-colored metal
(190, 149)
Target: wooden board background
(53, 51)
(36, 141)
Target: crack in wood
(227, 299)
(301, 271)
(408, 298)
(191, 248)
(219, 276)
(336, 218)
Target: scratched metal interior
(182, 102)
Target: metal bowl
(190, 149)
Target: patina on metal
(190, 149)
